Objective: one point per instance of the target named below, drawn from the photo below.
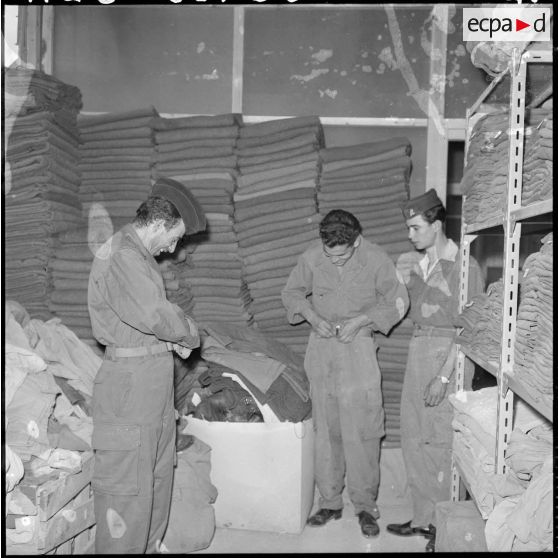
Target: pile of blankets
(371, 180)
(49, 376)
(537, 165)
(481, 320)
(485, 179)
(116, 151)
(517, 504)
(275, 214)
(41, 179)
(534, 339)
(69, 266)
(198, 152)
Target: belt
(124, 352)
(433, 331)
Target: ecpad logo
(521, 23)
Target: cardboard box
(263, 472)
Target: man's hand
(350, 328)
(181, 351)
(434, 392)
(322, 327)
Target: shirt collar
(130, 231)
(449, 253)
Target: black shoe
(368, 524)
(431, 544)
(321, 517)
(405, 530)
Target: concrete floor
(337, 536)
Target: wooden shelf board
(532, 210)
(524, 393)
(489, 366)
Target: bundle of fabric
(534, 339)
(41, 179)
(276, 213)
(371, 180)
(198, 152)
(49, 383)
(272, 373)
(537, 164)
(474, 443)
(485, 178)
(481, 320)
(116, 152)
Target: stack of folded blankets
(198, 152)
(41, 179)
(371, 180)
(537, 165)
(474, 443)
(70, 266)
(392, 359)
(276, 214)
(485, 179)
(116, 151)
(534, 339)
(481, 320)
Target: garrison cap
(187, 205)
(420, 204)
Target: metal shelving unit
(510, 225)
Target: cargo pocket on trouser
(116, 466)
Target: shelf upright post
(465, 249)
(512, 236)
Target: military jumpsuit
(134, 424)
(426, 432)
(345, 380)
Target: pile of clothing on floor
(242, 375)
(49, 376)
(518, 504)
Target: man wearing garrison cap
(431, 274)
(134, 425)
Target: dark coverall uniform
(134, 425)
(345, 379)
(426, 432)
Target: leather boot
(322, 516)
(368, 524)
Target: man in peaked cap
(431, 274)
(134, 425)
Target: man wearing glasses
(355, 290)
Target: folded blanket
(204, 121)
(273, 126)
(94, 119)
(362, 150)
